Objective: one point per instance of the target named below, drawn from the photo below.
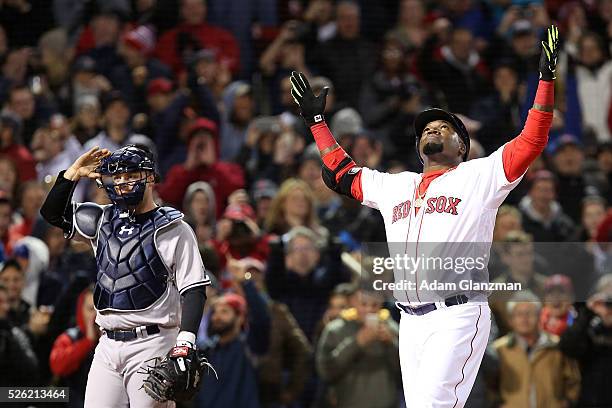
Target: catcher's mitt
(177, 376)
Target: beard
(222, 328)
(432, 148)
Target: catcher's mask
(124, 176)
(432, 114)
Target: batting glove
(550, 51)
(311, 106)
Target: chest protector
(131, 273)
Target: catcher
(148, 262)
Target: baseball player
(148, 264)
(452, 201)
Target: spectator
(55, 58)
(568, 159)
(383, 94)
(263, 193)
(284, 370)
(238, 112)
(202, 164)
(32, 255)
(31, 198)
(347, 58)
(10, 146)
(83, 91)
(166, 109)
(516, 41)
(517, 254)
(557, 312)
(319, 23)
(508, 219)
(284, 55)
(238, 236)
(302, 277)
(116, 132)
(18, 363)
(175, 46)
(532, 370)
(73, 350)
(593, 211)
(592, 72)
(258, 151)
(133, 75)
(199, 207)
(410, 29)
(589, 340)
(13, 280)
(499, 113)
(293, 206)
(54, 148)
(338, 300)
(99, 40)
(543, 216)
(239, 331)
(358, 353)
(457, 76)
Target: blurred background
(205, 85)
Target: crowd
(204, 85)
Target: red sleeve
(521, 151)
(324, 139)
(177, 180)
(66, 356)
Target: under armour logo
(318, 118)
(126, 229)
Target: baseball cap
(159, 85)
(264, 188)
(432, 114)
(234, 301)
(566, 139)
(558, 281)
(346, 121)
(142, 38)
(201, 124)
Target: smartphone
(371, 320)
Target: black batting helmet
(432, 114)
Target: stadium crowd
(204, 84)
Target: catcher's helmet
(432, 114)
(128, 159)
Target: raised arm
(337, 164)
(521, 151)
(56, 209)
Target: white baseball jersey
(458, 207)
(178, 249)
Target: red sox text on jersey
(441, 204)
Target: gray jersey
(178, 248)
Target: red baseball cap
(159, 85)
(201, 124)
(234, 301)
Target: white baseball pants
(440, 353)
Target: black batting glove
(550, 51)
(311, 106)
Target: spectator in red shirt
(31, 199)
(10, 127)
(73, 350)
(202, 164)
(176, 45)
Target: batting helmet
(128, 159)
(432, 114)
